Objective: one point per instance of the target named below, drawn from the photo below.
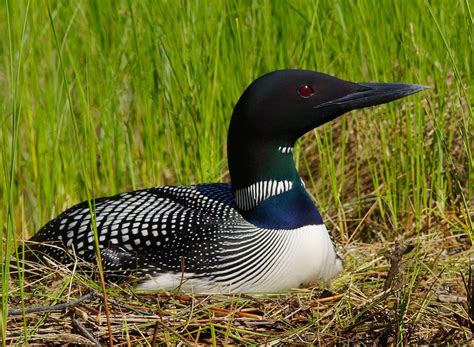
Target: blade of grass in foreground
(8, 241)
(85, 176)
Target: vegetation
(103, 97)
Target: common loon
(259, 233)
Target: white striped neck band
(249, 197)
(285, 150)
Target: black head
(283, 105)
(278, 108)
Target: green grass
(103, 97)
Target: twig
(181, 259)
(155, 335)
(329, 298)
(395, 262)
(224, 311)
(76, 324)
(133, 309)
(53, 308)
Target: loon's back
(150, 226)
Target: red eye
(305, 91)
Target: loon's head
(283, 105)
(274, 111)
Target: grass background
(101, 97)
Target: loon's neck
(267, 187)
(252, 161)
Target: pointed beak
(370, 94)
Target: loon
(260, 233)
